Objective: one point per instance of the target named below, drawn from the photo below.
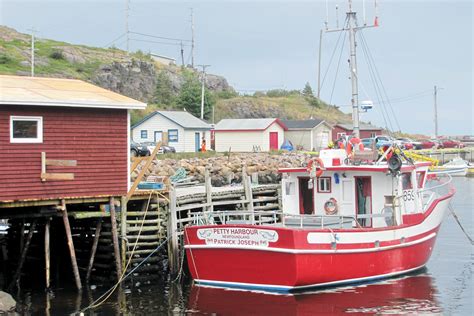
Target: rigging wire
(338, 64)
(115, 40)
(383, 110)
(332, 57)
(380, 80)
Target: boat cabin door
(306, 190)
(347, 202)
(363, 200)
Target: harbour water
(444, 287)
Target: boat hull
(281, 259)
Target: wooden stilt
(70, 244)
(173, 234)
(248, 192)
(123, 229)
(47, 252)
(95, 242)
(113, 220)
(16, 276)
(22, 235)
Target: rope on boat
(459, 223)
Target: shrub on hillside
(57, 54)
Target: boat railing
(277, 217)
(435, 188)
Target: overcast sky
(260, 45)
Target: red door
(273, 140)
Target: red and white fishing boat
(349, 216)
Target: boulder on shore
(7, 303)
(225, 170)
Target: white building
(308, 134)
(248, 135)
(163, 59)
(179, 129)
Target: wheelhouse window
(324, 185)
(144, 134)
(173, 135)
(406, 181)
(26, 129)
(420, 177)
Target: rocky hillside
(138, 76)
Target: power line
(156, 42)
(161, 37)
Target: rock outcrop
(7, 303)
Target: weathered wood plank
(61, 163)
(57, 176)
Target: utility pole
(192, 37)
(182, 54)
(32, 60)
(127, 33)
(202, 88)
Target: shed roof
(302, 124)
(39, 91)
(365, 127)
(247, 124)
(184, 119)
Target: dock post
(208, 186)
(248, 192)
(173, 234)
(16, 276)
(47, 252)
(123, 229)
(70, 244)
(113, 220)
(95, 243)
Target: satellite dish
(366, 105)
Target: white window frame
(39, 131)
(327, 185)
(373, 134)
(343, 134)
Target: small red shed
(366, 131)
(62, 138)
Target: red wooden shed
(62, 138)
(366, 130)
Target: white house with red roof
(249, 135)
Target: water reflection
(407, 295)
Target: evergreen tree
(164, 91)
(308, 91)
(190, 96)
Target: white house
(179, 129)
(248, 135)
(308, 134)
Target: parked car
(164, 149)
(430, 144)
(451, 143)
(137, 149)
(380, 142)
(409, 143)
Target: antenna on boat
(352, 27)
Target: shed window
(324, 185)
(339, 135)
(173, 135)
(373, 134)
(26, 129)
(144, 134)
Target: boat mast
(352, 21)
(352, 28)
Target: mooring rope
(104, 297)
(459, 223)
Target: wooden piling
(113, 220)
(95, 242)
(16, 276)
(47, 253)
(123, 229)
(70, 244)
(173, 234)
(248, 191)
